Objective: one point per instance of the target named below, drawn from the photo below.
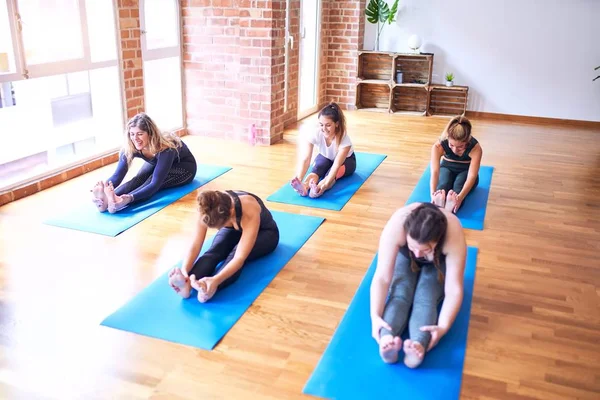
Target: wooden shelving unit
(448, 100)
(377, 89)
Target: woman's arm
(120, 172)
(305, 149)
(389, 246)
(337, 163)
(164, 164)
(436, 153)
(456, 248)
(250, 225)
(194, 250)
(476, 155)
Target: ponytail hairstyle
(426, 224)
(214, 207)
(334, 113)
(459, 129)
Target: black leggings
(223, 248)
(180, 174)
(323, 165)
(453, 176)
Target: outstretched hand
(376, 324)
(436, 334)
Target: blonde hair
(158, 141)
(335, 113)
(459, 129)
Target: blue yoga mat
(351, 367)
(340, 193)
(159, 312)
(86, 218)
(472, 211)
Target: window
(60, 90)
(161, 54)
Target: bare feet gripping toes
(413, 353)
(180, 283)
(439, 198)
(99, 197)
(116, 203)
(389, 346)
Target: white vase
(449, 83)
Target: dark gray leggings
(453, 176)
(180, 174)
(223, 248)
(422, 290)
(323, 164)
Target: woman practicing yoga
(421, 260)
(458, 173)
(247, 231)
(335, 160)
(169, 163)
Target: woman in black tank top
(247, 231)
(458, 174)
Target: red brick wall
(343, 36)
(131, 54)
(233, 65)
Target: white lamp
(414, 43)
(4, 62)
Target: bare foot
(439, 198)
(115, 203)
(180, 283)
(99, 197)
(315, 191)
(299, 187)
(451, 201)
(389, 346)
(200, 286)
(413, 353)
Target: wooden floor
(535, 321)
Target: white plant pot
(449, 83)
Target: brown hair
(459, 129)
(425, 224)
(158, 141)
(214, 207)
(335, 113)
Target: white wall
(520, 57)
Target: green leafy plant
(449, 76)
(598, 75)
(378, 11)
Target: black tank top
(266, 218)
(449, 154)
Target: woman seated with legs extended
(421, 261)
(335, 160)
(168, 163)
(246, 231)
(458, 174)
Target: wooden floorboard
(535, 318)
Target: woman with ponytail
(421, 259)
(458, 174)
(246, 231)
(335, 158)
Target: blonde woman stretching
(169, 163)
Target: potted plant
(449, 79)
(378, 11)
